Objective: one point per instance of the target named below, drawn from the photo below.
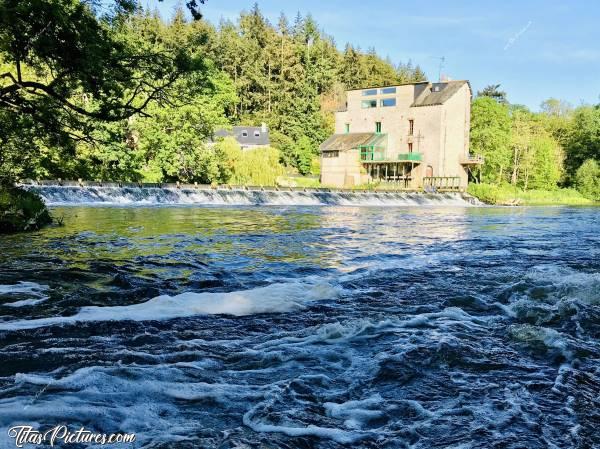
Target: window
(244, 133)
(410, 147)
(366, 104)
(388, 90)
(371, 153)
(369, 92)
(377, 127)
(330, 154)
(347, 128)
(256, 133)
(411, 127)
(388, 102)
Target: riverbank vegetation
(21, 210)
(133, 96)
(113, 91)
(535, 157)
(509, 195)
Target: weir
(80, 192)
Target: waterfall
(132, 195)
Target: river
(300, 327)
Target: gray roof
(383, 86)
(246, 135)
(438, 93)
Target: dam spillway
(131, 194)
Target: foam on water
(356, 413)
(149, 398)
(36, 291)
(548, 339)
(274, 298)
(120, 398)
(563, 282)
(335, 434)
(68, 195)
(401, 334)
(550, 293)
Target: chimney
(263, 127)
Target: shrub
(488, 193)
(21, 210)
(303, 152)
(587, 179)
(259, 167)
(508, 194)
(315, 166)
(285, 145)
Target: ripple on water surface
(298, 327)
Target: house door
(429, 172)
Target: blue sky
(535, 49)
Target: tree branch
(120, 112)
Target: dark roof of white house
(383, 86)
(246, 135)
(427, 93)
(438, 93)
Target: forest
(185, 79)
(112, 91)
(559, 146)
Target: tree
(173, 140)
(126, 95)
(583, 138)
(304, 152)
(536, 156)
(65, 70)
(378, 71)
(228, 154)
(520, 143)
(555, 108)
(490, 137)
(557, 116)
(258, 167)
(290, 76)
(353, 72)
(493, 91)
(418, 74)
(285, 145)
(547, 156)
(587, 179)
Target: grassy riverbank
(509, 195)
(21, 210)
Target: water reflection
(353, 327)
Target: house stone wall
(455, 134)
(394, 120)
(343, 171)
(440, 134)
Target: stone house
(249, 137)
(413, 135)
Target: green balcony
(410, 157)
